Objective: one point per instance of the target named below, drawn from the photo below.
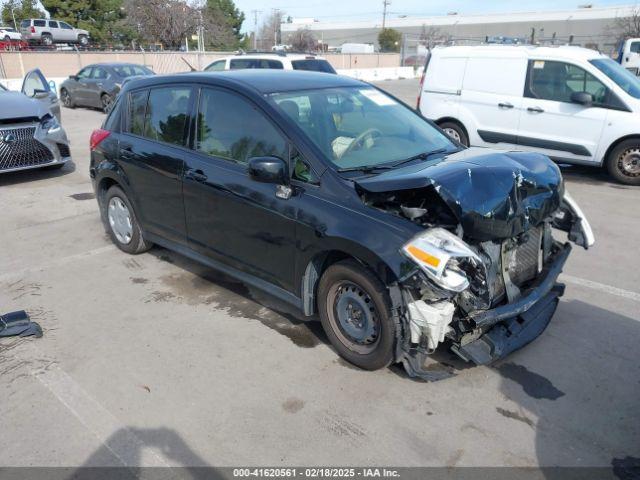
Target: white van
(572, 104)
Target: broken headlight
(438, 252)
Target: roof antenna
(191, 67)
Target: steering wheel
(360, 139)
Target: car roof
(275, 56)
(114, 64)
(568, 52)
(263, 81)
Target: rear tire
(455, 131)
(623, 163)
(122, 224)
(47, 39)
(355, 311)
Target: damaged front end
(483, 276)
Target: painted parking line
(618, 292)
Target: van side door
(551, 122)
(491, 100)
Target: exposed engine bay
(487, 262)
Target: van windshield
(626, 80)
(362, 127)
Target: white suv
(279, 60)
(48, 32)
(7, 34)
(572, 104)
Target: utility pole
(255, 28)
(276, 17)
(385, 3)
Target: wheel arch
(321, 261)
(442, 120)
(615, 143)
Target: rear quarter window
(166, 115)
(313, 65)
(137, 108)
(25, 23)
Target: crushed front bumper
(499, 331)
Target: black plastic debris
(18, 323)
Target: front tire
(456, 132)
(122, 224)
(355, 311)
(106, 100)
(623, 163)
(83, 40)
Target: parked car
(572, 104)
(339, 199)
(628, 54)
(30, 132)
(48, 32)
(9, 33)
(277, 61)
(97, 85)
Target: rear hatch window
(313, 65)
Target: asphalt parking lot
(154, 360)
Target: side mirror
(73, 77)
(269, 170)
(582, 98)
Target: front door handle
(535, 110)
(505, 105)
(195, 175)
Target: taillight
(97, 136)
(33, 29)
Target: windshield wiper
(366, 168)
(373, 168)
(420, 156)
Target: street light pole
(385, 3)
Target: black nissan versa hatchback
(341, 200)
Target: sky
(346, 10)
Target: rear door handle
(535, 109)
(126, 152)
(196, 175)
(505, 105)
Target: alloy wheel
(453, 134)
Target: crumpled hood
(18, 105)
(494, 195)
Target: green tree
(100, 17)
(225, 21)
(22, 10)
(389, 40)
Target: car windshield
(125, 71)
(313, 65)
(626, 80)
(361, 127)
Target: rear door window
(166, 115)
(230, 127)
(99, 74)
(313, 65)
(242, 63)
(39, 23)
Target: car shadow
(121, 455)
(243, 301)
(35, 174)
